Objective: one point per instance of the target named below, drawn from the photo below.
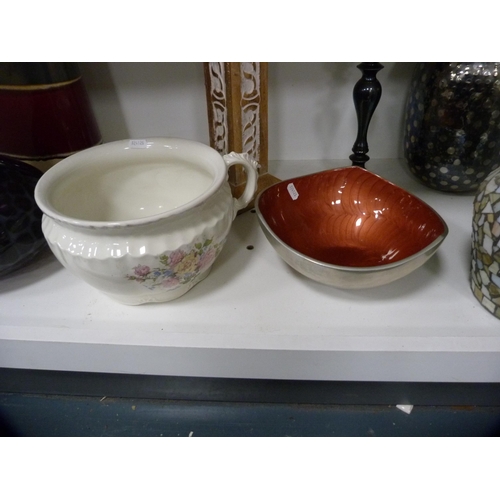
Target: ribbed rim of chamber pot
(336, 267)
(93, 153)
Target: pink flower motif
(176, 256)
(141, 270)
(207, 258)
(170, 282)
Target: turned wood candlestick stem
(366, 95)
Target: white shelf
(254, 317)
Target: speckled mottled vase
(452, 124)
(485, 267)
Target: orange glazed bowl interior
(349, 227)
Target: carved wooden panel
(237, 115)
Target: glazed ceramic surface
(348, 227)
(485, 261)
(21, 237)
(142, 221)
(45, 111)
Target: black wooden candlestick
(366, 94)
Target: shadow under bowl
(348, 227)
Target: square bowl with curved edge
(348, 227)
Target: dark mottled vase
(21, 237)
(452, 124)
(485, 267)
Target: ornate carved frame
(237, 115)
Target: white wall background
(311, 111)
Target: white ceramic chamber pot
(141, 220)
